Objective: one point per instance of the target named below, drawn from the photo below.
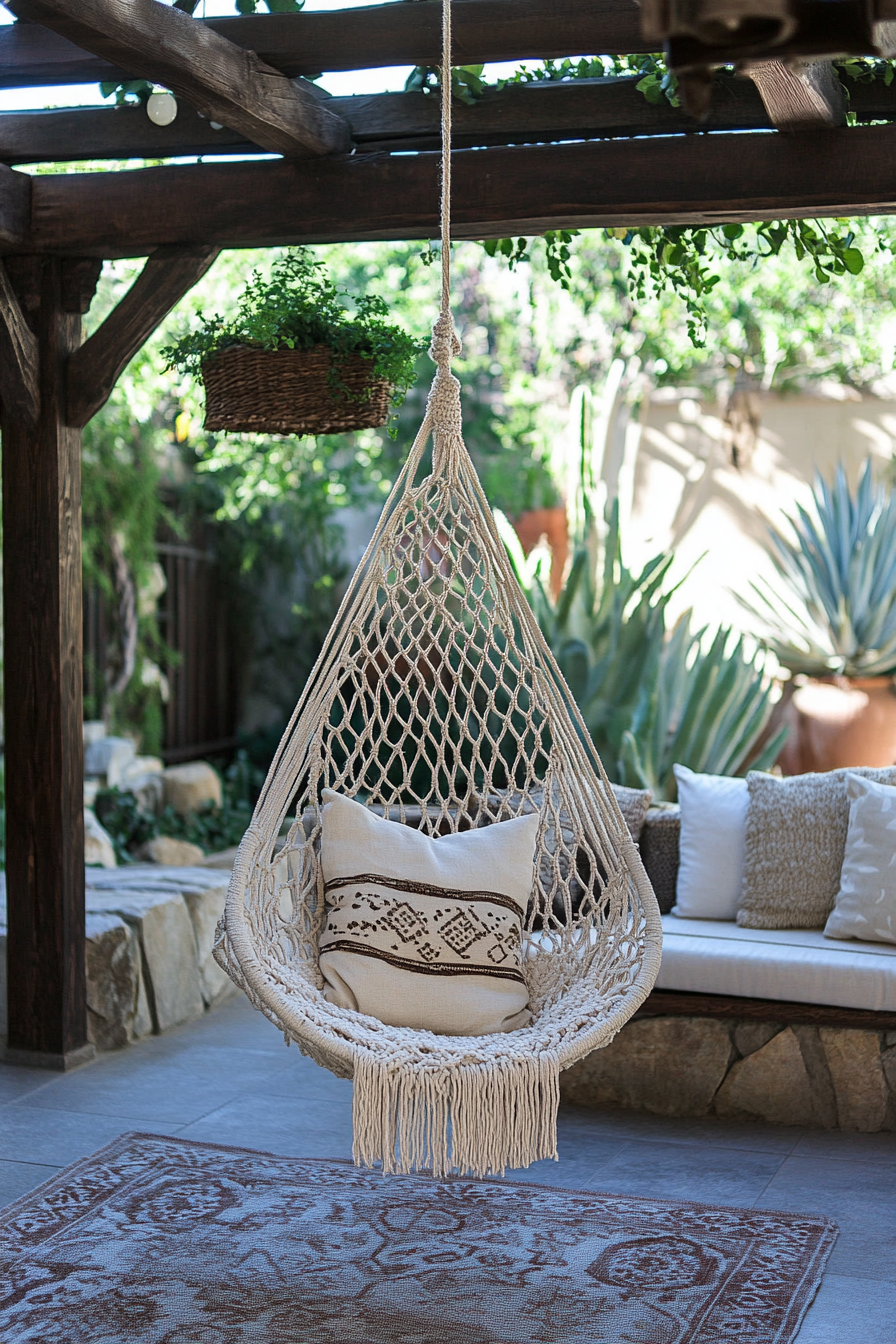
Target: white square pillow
(423, 932)
(865, 905)
(711, 846)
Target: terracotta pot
(551, 524)
(837, 722)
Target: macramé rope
(437, 700)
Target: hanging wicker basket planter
(253, 391)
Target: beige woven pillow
(796, 835)
(422, 932)
(865, 906)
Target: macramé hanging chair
(436, 701)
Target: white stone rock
(668, 1065)
(98, 847)
(170, 853)
(191, 787)
(91, 789)
(857, 1074)
(113, 974)
(771, 1084)
(94, 730)
(110, 756)
(206, 906)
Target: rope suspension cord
(444, 399)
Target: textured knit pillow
(796, 835)
(865, 906)
(711, 845)
(423, 932)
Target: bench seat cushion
(707, 956)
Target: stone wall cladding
(149, 944)
(826, 1077)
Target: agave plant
(833, 607)
(649, 697)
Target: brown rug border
(802, 1298)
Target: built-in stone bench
(150, 932)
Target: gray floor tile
(850, 1311)
(17, 1178)
(174, 1089)
(59, 1137)
(861, 1199)
(705, 1173)
(846, 1147)
(16, 1082)
(279, 1125)
(781, 1139)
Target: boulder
(170, 852)
(113, 974)
(191, 787)
(98, 848)
(109, 756)
(771, 1084)
(858, 1077)
(668, 1065)
(165, 932)
(143, 778)
(93, 731)
(206, 907)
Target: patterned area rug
(171, 1242)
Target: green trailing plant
(296, 306)
(649, 697)
(832, 608)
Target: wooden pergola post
(43, 676)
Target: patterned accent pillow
(865, 906)
(796, 835)
(424, 932)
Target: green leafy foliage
(212, 828)
(275, 6)
(832, 608)
(649, 697)
(296, 306)
(467, 84)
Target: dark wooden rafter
(799, 96)
(217, 78)
(94, 369)
(15, 209)
(353, 39)
(19, 363)
(516, 114)
(520, 190)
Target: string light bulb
(161, 107)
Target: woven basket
(286, 392)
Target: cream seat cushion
(711, 956)
(425, 932)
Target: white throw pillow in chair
(422, 932)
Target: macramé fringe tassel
(475, 1119)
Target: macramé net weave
(436, 700)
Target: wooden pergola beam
(497, 192)
(19, 363)
(516, 114)
(217, 78)
(94, 368)
(354, 39)
(15, 209)
(799, 96)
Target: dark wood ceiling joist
(658, 180)
(355, 39)
(216, 77)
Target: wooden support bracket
(19, 360)
(94, 369)
(799, 97)
(219, 79)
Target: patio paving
(229, 1079)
